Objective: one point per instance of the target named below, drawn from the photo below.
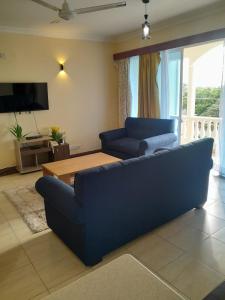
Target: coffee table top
(124, 278)
(76, 164)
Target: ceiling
(26, 16)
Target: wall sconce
(61, 67)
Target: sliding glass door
(169, 81)
(191, 83)
(134, 81)
(222, 122)
(170, 86)
(201, 106)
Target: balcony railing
(195, 127)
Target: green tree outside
(207, 101)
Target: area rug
(30, 206)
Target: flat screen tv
(19, 97)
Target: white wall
(208, 19)
(82, 101)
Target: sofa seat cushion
(125, 145)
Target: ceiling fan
(66, 13)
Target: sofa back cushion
(128, 198)
(142, 128)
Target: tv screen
(19, 97)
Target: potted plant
(56, 135)
(17, 131)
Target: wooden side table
(61, 152)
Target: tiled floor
(189, 252)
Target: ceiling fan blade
(45, 4)
(90, 9)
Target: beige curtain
(124, 90)
(148, 97)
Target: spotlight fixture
(146, 25)
(61, 67)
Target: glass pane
(169, 76)
(134, 78)
(174, 66)
(202, 76)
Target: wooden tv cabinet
(31, 154)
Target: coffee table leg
(65, 178)
(46, 172)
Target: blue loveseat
(140, 136)
(114, 204)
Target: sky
(207, 69)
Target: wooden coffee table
(65, 169)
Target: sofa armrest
(149, 145)
(61, 196)
(160, 150)
(112, 135)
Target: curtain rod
(185, 41)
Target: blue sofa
(114, 204)
(140, 136)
